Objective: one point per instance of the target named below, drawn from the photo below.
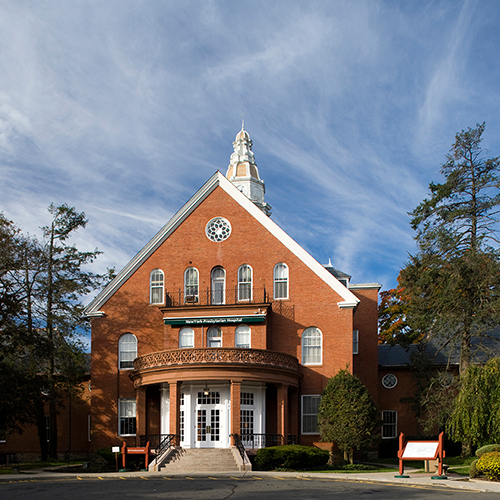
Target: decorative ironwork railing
(255, 441)
(229, 296)
(159, 442)
(216, 355)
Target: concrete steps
(200, 460)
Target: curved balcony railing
(216, 355)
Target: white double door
(207, 417)
(205, 414)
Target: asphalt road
(251, 487)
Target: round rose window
(218, 229)
(389, 381)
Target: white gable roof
(219, 180)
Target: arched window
(214, 337)
(156, 286)
(312, 346)
(186, 337)
(218, 285)
(245, 282)
(281, 281)
(127, 351)
(191, 289)
(242, 337)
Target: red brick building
(73, 431)
(222, 324)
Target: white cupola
(243, 172)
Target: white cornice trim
(218, 179)
(365, 286)
(152, 245)
(350, 300)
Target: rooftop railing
(193, 296)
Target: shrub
(473, 469)
(295, 457)
(489, 465)
(264, 460)
(487, 449)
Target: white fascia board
(365, 286)
(92, 310)
(218, 179)
(350, 300)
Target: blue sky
(123, 109)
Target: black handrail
(239, 445)
(159, 442)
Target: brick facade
(312, 302)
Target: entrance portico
(229, 399)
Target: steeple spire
(243, 173)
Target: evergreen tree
(451, 285)
(347, 414)
(41, 286)
(61, 285)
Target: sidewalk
(454, 481)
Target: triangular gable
(219, 180)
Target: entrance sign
(135, 451)
(421, 450)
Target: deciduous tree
(476, 410)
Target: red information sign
(135, 451)
(421, 450)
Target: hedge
(489, 465)
(487, 449)
(294, 457)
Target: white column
(165, 409)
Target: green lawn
(27, 466)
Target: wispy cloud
(125, 108)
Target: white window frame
(186, 337)
(240, 333)
(308, 399)
(312, 343)
(355, 341)
(191, 285)
(391, 425)
(215, 281)
(210, 336)
(157, 287)
(281, 277)
(127, 344)
(245, 282)
(128, 407)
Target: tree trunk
(42, 431)
(465, 351)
